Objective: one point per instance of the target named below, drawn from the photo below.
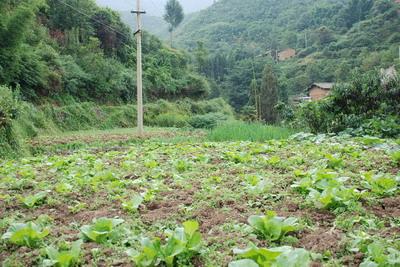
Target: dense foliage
(52, 49)
(330, 37)
(366, 105)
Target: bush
(8, 106)
(10, 143)
(207, 121)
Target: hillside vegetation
(234, 39)
(53, 49)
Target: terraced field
(306, 201)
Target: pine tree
(269, 95)
(173, 16)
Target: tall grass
(242, 131)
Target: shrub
(10, 142)
(207, 121)
(9, 106)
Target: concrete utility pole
(139, 74)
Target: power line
(91, 17)
(154, 4)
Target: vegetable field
(306, 201)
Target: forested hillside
(234, 39)
(60, 50)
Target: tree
(269, 95)
(201, 56)
(173, 15)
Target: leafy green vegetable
(181, 241)
(379, 256)
(182, 165)
(101, 229)
(257, 184)
(380, 184)
(243, 263)
(334, 161)
(32, 201)
(396, 157)
(63, 257)
(133, 204)
(277, 257)
(29, 234)
(272, 227)
(332, 198)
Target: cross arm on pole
(138, 12)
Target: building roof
(325, 86)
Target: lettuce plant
(380, 256)
(334, 161)
(33, 200)
(133, 204)
(63, 257)
(272, 227)
(380, 184)
(396, 157)
(184, 240)
(101, 229)
(333, 197)
(29, 234)
(277, 257)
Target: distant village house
(318, 91)
(286, 54)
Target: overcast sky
(155, 7)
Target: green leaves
(29, 234)
(380, 256)
(63, 257)
(271, 227)
(382, 185)
(325, 189)
(243, 263)
(33, 200)
(396, 157)
(101, 229)
(181, 241)
(133, 204)
(277, 257)
(334, 161)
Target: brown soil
(319, 217)
(210, 217)
(353, 260)
(169, 206)
(321, 240)
(86, 217)
(389, 207)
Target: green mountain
(235, 39)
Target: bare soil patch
(321, 240)
(389, 207)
